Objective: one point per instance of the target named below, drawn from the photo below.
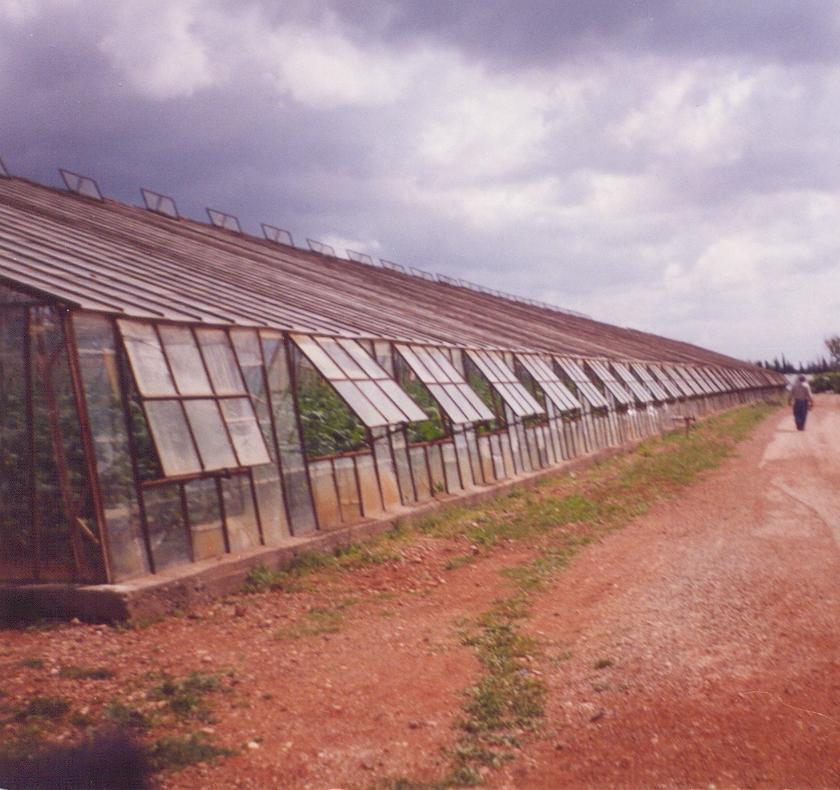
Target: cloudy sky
(670, 166)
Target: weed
(128, 717)
(319, 621)
(185, 697)
(31, 663)
(603, 663)
(86, 673)
(174, 751)
(50, 708)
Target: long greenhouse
(173, 392)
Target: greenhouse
(173, 392)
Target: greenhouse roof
(132, 262)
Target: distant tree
(833, 345)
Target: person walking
(802, 400)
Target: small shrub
(52, 708)
(128, 717)
(86, 673)
(173, 751)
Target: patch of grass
(126, 716)
(86, 673)
(174, 751)
(319, 620)
(186, 697)
(48, 708)
(31, 663)
(603, 663)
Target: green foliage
(86, 673)
(428, 430)
(175, 751)
(185, 697)
(127, 716)
(51, 708)
(329, 427)
(833, 345)
(826, 382)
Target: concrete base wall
(181, 588)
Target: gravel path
(700, 646)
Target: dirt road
(701, 645)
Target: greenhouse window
(632, 383)
(504, 381)
(548, 382)
(584, 385)
(610, 382)
(199, 412)
(447, 386)
(675, 386)
(656, 389)
(361, 382)
(688, 382)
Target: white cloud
(156, 45)
(695, 112)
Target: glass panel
(210, 435)
(184, 360)
(172, 438)
(16, 539)
(205, 519)
(415, 364)
(100, 378)
(420, 473)
(244, 431)
(341, 358)
(167, 533)
(385, 469)
(360, 404)
(450, 466)
(462, 455)
(348, 493)
(441, 394)
(270, 500)
(288, 436)
(447, 367)
(224, 372)
(240, 513)
(429, 357)
(382, 402)
(318, 357)
(436, 467)
(64, 509)
(479, 408)
(366, 471)
(404, 478)
(406, 405)
(383, 356)
(323, 489)
(486, 455)
(147, 360)
(362, 358)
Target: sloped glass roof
(447, 386)
(504, 381)
(585, 387)
(610, 382)
(549, 383)
(642, 394)
(656, 389)
(365, 387)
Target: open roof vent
(160, 204)
(422, 274)
(220, 219)
(81, 185)
(321, 248)
(277, 235)
(397, 267)
(360, 257)
(3, 172)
